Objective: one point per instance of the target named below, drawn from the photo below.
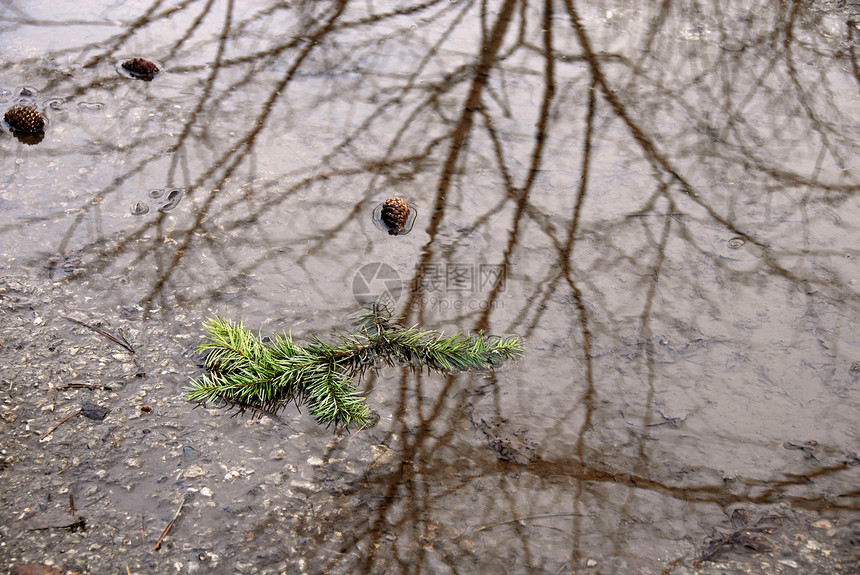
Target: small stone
(382, 454)
(94, 412)
(591, 563)
(279, 454)
(274, 478)
(194, 471)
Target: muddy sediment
(99, 449)
(100, 453)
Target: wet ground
(661, 200)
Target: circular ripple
(174, 196)
(139, 208)
(55, 103)
(91, 106)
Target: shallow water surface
(660, 199)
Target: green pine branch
(248, 373)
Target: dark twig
(122, 341)
(744, 535)
(80, 386)
(78, 412)
(172, 521)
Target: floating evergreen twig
(248, 373)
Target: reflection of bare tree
(607, 156)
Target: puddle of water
(665, 210)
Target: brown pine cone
(25, 119)
(394, 213)
(141, 68)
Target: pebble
(591, 563)
(194, 471)
(232, 474)
(274, 478)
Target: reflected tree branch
(604, 164)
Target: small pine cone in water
(141, 67)
(25, 119)
(394, 213)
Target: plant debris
(747, 533)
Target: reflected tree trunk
(669, 188)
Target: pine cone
(394, 213)
(25, 119)
(141, 68)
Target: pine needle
(247, 372)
